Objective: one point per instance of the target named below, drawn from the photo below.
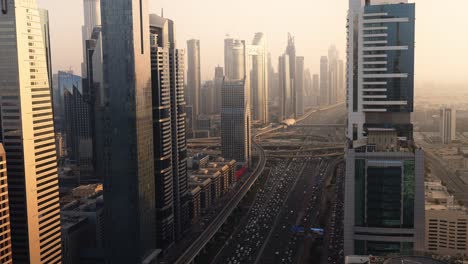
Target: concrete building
(236, 138)
(44, 19)
(235, 60)
(299, 89)
(169, 133)
(193, 78)
(448, 125)
(446, 222)
(206, 99)
(129, 179)
(384, 186)
(316, 89)
(324, 78)
(5, 226)
(28, 136)
(341, 82)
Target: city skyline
(438, 47)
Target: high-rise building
(194, 78)
(333, 74)
(324, 78)
(308, 98)
(448, 125)
(299, 89)
(207, 98)
(92, 19)
(27, 133)
(76, 124)
(341, 81)
(235, 59)
(5, 226)
(316, 89)
(236, 141)
(384, 186)
(218, 85)
(129, 180)
(257, 61)
(291, 52)
(168, 70)
(285, 87)
(273, 89)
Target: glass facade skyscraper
(129, 182)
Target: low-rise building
(446, 222)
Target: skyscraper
(291, 52)
(193, 78)
(299, 111)
(316, 89)
(285, 87)
(333, 74)
(384, 208)
(324, 78)
(236, 141)
(5, 246)
(27, 133)
(168, 71)
(341, 81)
(44, 18)
(257, 66)
(218, 85)
(235, 64)
(129, 182)
(448, 125)
(76, 125)
(92, 19)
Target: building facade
(167, 63)
(299, 111)
(384, 186)
(285, 86)
(193, 78)
(257, 63)
(27, 131)
(129, 182)
(5, 226)
(236, 141)
(448, 125)
(324, 79)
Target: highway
(189, 255)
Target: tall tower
(285, 87)
(236, 138)
(257, 63)
(333, 74)
(27, 133)
(324, 85)
(316, 89)
(384, 184)
(448, 125)
(193, 78)
(129, 182)
(218, 85)
(291, 52)
(299, 111)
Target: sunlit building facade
(27, 133)
(193, 78)
(5, 225)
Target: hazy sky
(441, 31)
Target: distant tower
(258, 67)
(291, 52)
(218, 84)
(316, 89)
(448, 125)
(324, 85)
(285, 87)
(27, 134)
(333, 74)
(299, 89)
(193, 78)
